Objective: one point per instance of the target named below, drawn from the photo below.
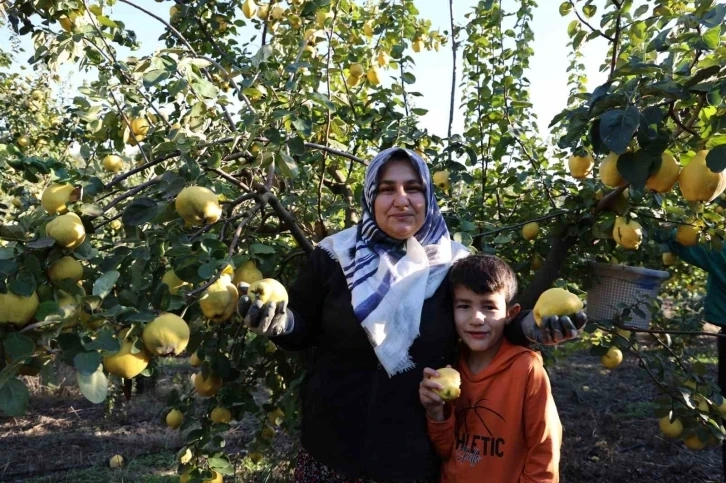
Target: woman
(374, 304)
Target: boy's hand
(431, 401)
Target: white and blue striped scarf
(390, 279)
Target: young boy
(504, 426)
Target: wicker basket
(615, 284)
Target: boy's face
(480, 318)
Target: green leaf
(23, 285)
(565, 8)
(140, 211)
(573, 28)
(106, 22)
(47, 308)
(589, 10)
(105, 283)
(205, 88)
(617, 128)
(104, 341)
(714, 17)
(18, 346)
(637, 167)
(87, 362)
(94, 387)
(286, 164)
(712, 37)
(257, 248)
(14, 397)
(154, 77)
(716, 159)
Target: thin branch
(582, 20)
(682, 127)
(616, 41)
(246, 219)
(517, 225)
(132, 192)
(337, 152)
(454, 48)
(138, 169)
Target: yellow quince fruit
(609, 174)
(580, 166)
(65, 267)
(55, 197)
(113, 163)
(219, 300)
(67, 230)
(126, 364)
(627, 234)
(556, 301)
(196, 204)
(16, 309)
(450, 379)
(698, 182)
(166, 335)
(530, 230)
(247, 273)
(267, 290)
(663, 180)
(221, 415)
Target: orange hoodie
(504, 427)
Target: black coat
(355, 418)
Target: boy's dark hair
(484, 274)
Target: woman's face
(400, 204)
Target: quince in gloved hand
(263, 306)
(557, 316)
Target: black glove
(270, 319)
(554, 329)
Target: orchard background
(275, 108)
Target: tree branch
(454, 47)
(582, 20)
(616, 41)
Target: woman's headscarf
(389, 279)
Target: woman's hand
(431, 401)
(554, 329)
(270, 319)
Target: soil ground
(611, 435)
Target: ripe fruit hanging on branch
(580, 166)
(357, 70)
(113, 163)
(65, 268)
(174, 283)
(247, 273)
(67, 230)
(168, 334)
(17, 310)
(174, 419)
(530, 230)
(126, 364)
(207, 387)
(219, 300)
(249, 9)
(627, 233)
(670, 429)
(558, 302)
(196, 204)
(609, 174)
(220, 415)
(687, 235)
(55, 197)
(612, 358)
(698, 182)
(667, 175)
(140, 127)
(441, 180)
